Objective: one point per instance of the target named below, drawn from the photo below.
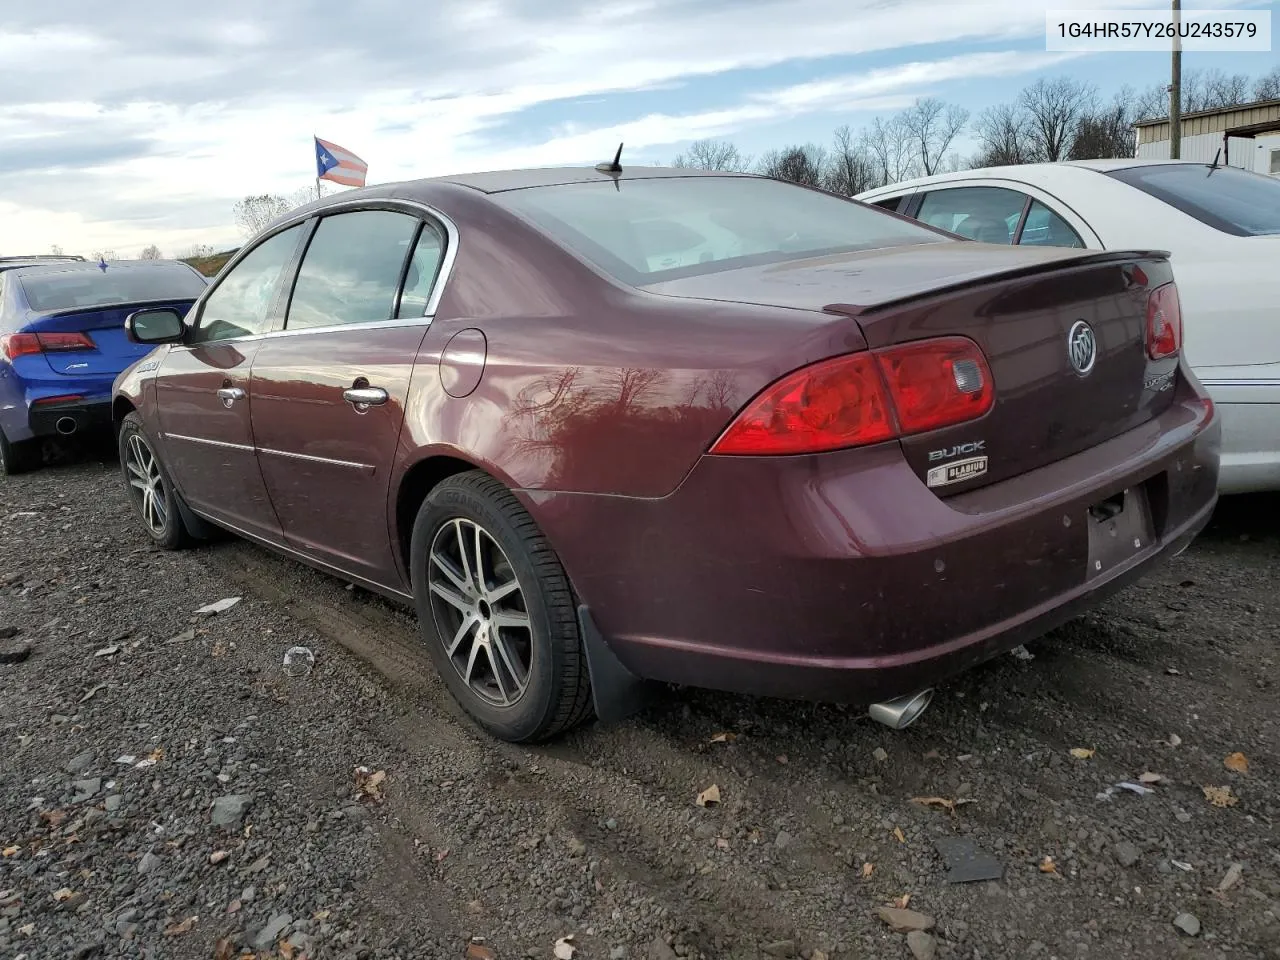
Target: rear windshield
(1234, 201)
(646, 231)
(85, 288)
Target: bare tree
(105, 255)
(932, 126)
(196, 250)
(1054, 110)
(805, 165)
(150, 252)
(713, 155)
(1224, 90)
(253, 214)
(1005, 135)
(849, 170)
(1267, 86)
(56, 249)
(888, 143)
(1151, 104)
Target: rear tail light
(1164, 322)
(21, 344)
(937, 383)
(864, 398)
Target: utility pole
(1175, 88)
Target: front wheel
(496, 611)
(155, 501)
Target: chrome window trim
(352, 206)
(211, 443)
(328, 461)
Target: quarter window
(420, 278)
(1044, 228)
(889, 203)
(351, 270)
(240, 305)
(985, 214)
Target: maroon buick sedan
(605, 427)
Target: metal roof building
(1248, 135)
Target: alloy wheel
(479, 608)
(147, 484)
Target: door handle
(365, 396)
(229, 395)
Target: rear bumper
(842, 577)
(1250, 434)
(60, 419)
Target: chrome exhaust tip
(65, 426)
(900, 713)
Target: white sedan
(1222, 226)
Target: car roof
(498, 181)
(40, 257)
(74, 266)
(1035, 173)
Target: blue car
(62, 343)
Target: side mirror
(155, 326)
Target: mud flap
(197, 526)
(616, 692)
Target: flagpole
(313, 150)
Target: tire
(163, 523)
(21, 456)
(547, 649)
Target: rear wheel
(496, 611)
(20, 456)
(154, 499)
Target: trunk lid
(112, 349)
(1020, 306)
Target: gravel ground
(168, 790)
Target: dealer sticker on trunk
(956, 472)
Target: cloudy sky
(135, 121)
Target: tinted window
(1044, 228)
(986, 214)
(240, 304)
(351, 270)
(83, 288)
(423, 269)
(644, 231)
(1229, 199)
(890, 203)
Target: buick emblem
(1082, 347)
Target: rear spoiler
(1082, 259)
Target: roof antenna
(615, 166)
(1216, 157)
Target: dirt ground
(135, 724)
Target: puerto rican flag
(339, 164)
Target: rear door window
(1235, 201)
(351, 270)
(985, 214)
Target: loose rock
(268, 935)
(922, 945)
(230, 810)
(1126, 853)
(1188, 923)
(904, 921)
